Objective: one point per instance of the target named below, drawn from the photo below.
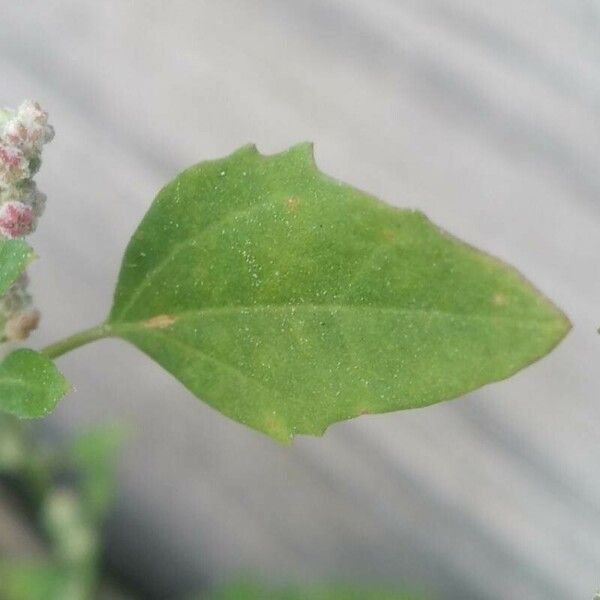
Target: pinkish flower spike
(16, 219)
(28, 130)
(27, 193)
(14, 166)
(23, 132)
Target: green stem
(75, 341)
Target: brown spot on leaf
(159, 322)
(389, 234)
(293, 203)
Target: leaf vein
(177, 248)
(334, 308)
(218, 361)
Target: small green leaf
(15, 255)
(289, 301)
(30, 384)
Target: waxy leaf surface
(30, 384)
(15, 255)
(289, 301)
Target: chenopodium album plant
(283, 298)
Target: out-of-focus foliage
(70, 515)
(94, 455)
(31, 581)
(251, 590)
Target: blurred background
(486, 115)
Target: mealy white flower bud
(16, 219)
(23, 132)
(28, 130)
(16, 299)
(27, 193)
(14, 165)
(19, 326)
(17, 317)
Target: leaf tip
(30, 256)
(560, 324)
(564, 325)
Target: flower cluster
(16, 311)
(23, 133)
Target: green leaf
(250, 590)
(289, 301)
(15, 255)
(13, 448)
(31, 580)
(30, 384)
(40, 580)
(94, 454)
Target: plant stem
(75, 341)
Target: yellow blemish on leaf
(159, 322)
(500, 300)
(278, 429)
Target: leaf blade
(290, 301)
